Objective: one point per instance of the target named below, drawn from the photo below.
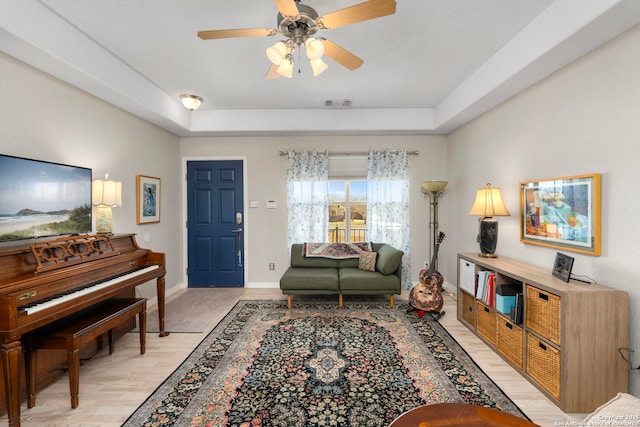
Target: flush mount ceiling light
(191, 102)
(299, 23)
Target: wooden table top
(458, 414)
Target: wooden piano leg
(160, 292)
(11, 358)
(73, 360)
(30, 364)
(142, 325)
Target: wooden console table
(458, 414)
(569, 339)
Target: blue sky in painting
(30, 184)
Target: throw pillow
(389, 259)
(367, 261)
(621, 407)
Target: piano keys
(53, 279)
(77, 293)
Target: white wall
(583, 119)
(45, 119)
(266, 176)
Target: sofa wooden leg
(340, 301)
(391, 301)
(288, 301)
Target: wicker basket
(486, 322)
(543, 313)
(509, 339)
(468, 311)
(543, 364)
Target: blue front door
(215, 221)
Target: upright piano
(53, 279)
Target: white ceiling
(429, 68)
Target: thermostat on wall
(271, 204)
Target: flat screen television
(43, 199)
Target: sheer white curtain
(308, 196)
(388, 203)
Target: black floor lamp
(434, 190)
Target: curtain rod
(353, 153)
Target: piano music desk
(73, 332)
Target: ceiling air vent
(337, 103)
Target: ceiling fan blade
(360, 12)
(226, 34)
(287, 8)
(341, 55)
(273, 74)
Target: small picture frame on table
(147, 199)
(562, 267)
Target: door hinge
(187, 271)
(186, 224)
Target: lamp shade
(106, 193)
(433, 186)
(286, 68)
(489, 203)
(277, 52)
(191, 102)
(318, 66)
(315, 48)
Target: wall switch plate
(271, 204)
(253, 203)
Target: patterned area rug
(317, 365)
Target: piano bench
(71, 333)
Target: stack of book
(486, 286)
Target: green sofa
(326, 276)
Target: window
(347, 210)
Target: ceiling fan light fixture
(286, 67)
(191, 102)
(277, 52)
(315, 48)
(318, 66)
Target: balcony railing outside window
(337, 234)
(347, 211)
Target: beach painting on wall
(42, 199)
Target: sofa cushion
(310, 278)
(349, 263)
(622, 408)
(389, 259)
(356, 281)
(367, 261)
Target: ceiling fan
(299, 23)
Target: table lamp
(487, 205)
(105, 195)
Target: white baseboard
(153, 302)
(262, 285)
(450, 289)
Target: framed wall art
(147, 199)
(562, 213)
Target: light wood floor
(113, 386)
